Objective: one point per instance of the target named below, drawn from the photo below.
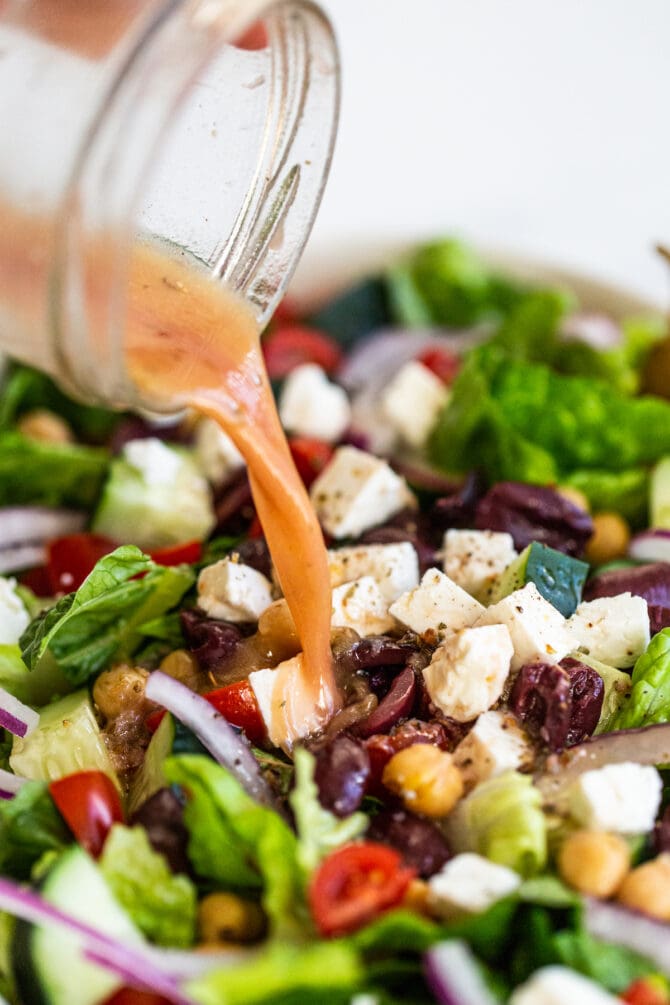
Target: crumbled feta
(215, 452)
(233, 591)
(356, 491)
(469, 884)
(468, 671)
(311, 405)
(395, 567)
(361, 606)
(556, 985)
(14, 617)
(538, 630)
(475, 558)
(496, 743)
(623, 798)
(413, 401)
(287, 706)
(614, 630)
(436, 604)
(156, 462)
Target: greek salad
(486, 819)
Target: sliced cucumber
(68, 739)
(48, 966)
(559, 578)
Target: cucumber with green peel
(68, 739)
(558, 577)
(47, 964)
(171, 737)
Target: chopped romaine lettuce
(319, 830)
(33, 688)
(49, 474)
(625, 492)
(162, 905)
(30, 825)
(649, 699)
(103, 620)
(502, 819)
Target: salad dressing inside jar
(149, 227)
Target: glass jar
(206, 126)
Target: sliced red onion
(10, 784)
(453, 975)
(16, 717)
(186, 965)
(226, 745)
(646, 936)
(132, 963)
(421, 476)
(649, 745)
(26, 530)
(650, 546)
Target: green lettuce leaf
(319, 830)
(235, 842)
(30, 825)
(649, 700)
(162, 905)
(103, 620)
(614, 967)
(502, 819)
(625, 492)
(323, 971)
(50, 474)
(37, 688)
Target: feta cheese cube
(469, 884)
(613, 630)
(496, 743)
(361, 606)
(475, 558)
(538, 630)
(286, 704)
(156, 462)
(14, 618)
(356, 491)
(623, 798)
(436, 604)
(215, 452)
(395, 567)
(556, 985)
(311, 405)
(233, 591)
(468, 671)
(413, 401)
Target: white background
(539, 126)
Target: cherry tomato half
(178, 554)
(236, 702)
(129, 996)
(443, 363)
(641, 992)
(290, 345)
(354, 885)
(71, 558)
(310, 456)
(255, 37)
(90, 804)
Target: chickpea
(225, 917)
(574, 496)
(594, 862)
(647, 888)
(610, 540)
(45, 426)
(120, 689)
(181, 665)
(425, 778)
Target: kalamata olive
(662, 832)
(162, 816)
(211, 642)
(649, 581)
(409, 525)
(341, 774)
(457, 509)
(254, 551)
(375, 651)
(534, 513)
(420, 842)
(133, 427)
(233, 505)
(559, 704)
(396, 705)
(659, 618)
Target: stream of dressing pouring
(191, 341)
